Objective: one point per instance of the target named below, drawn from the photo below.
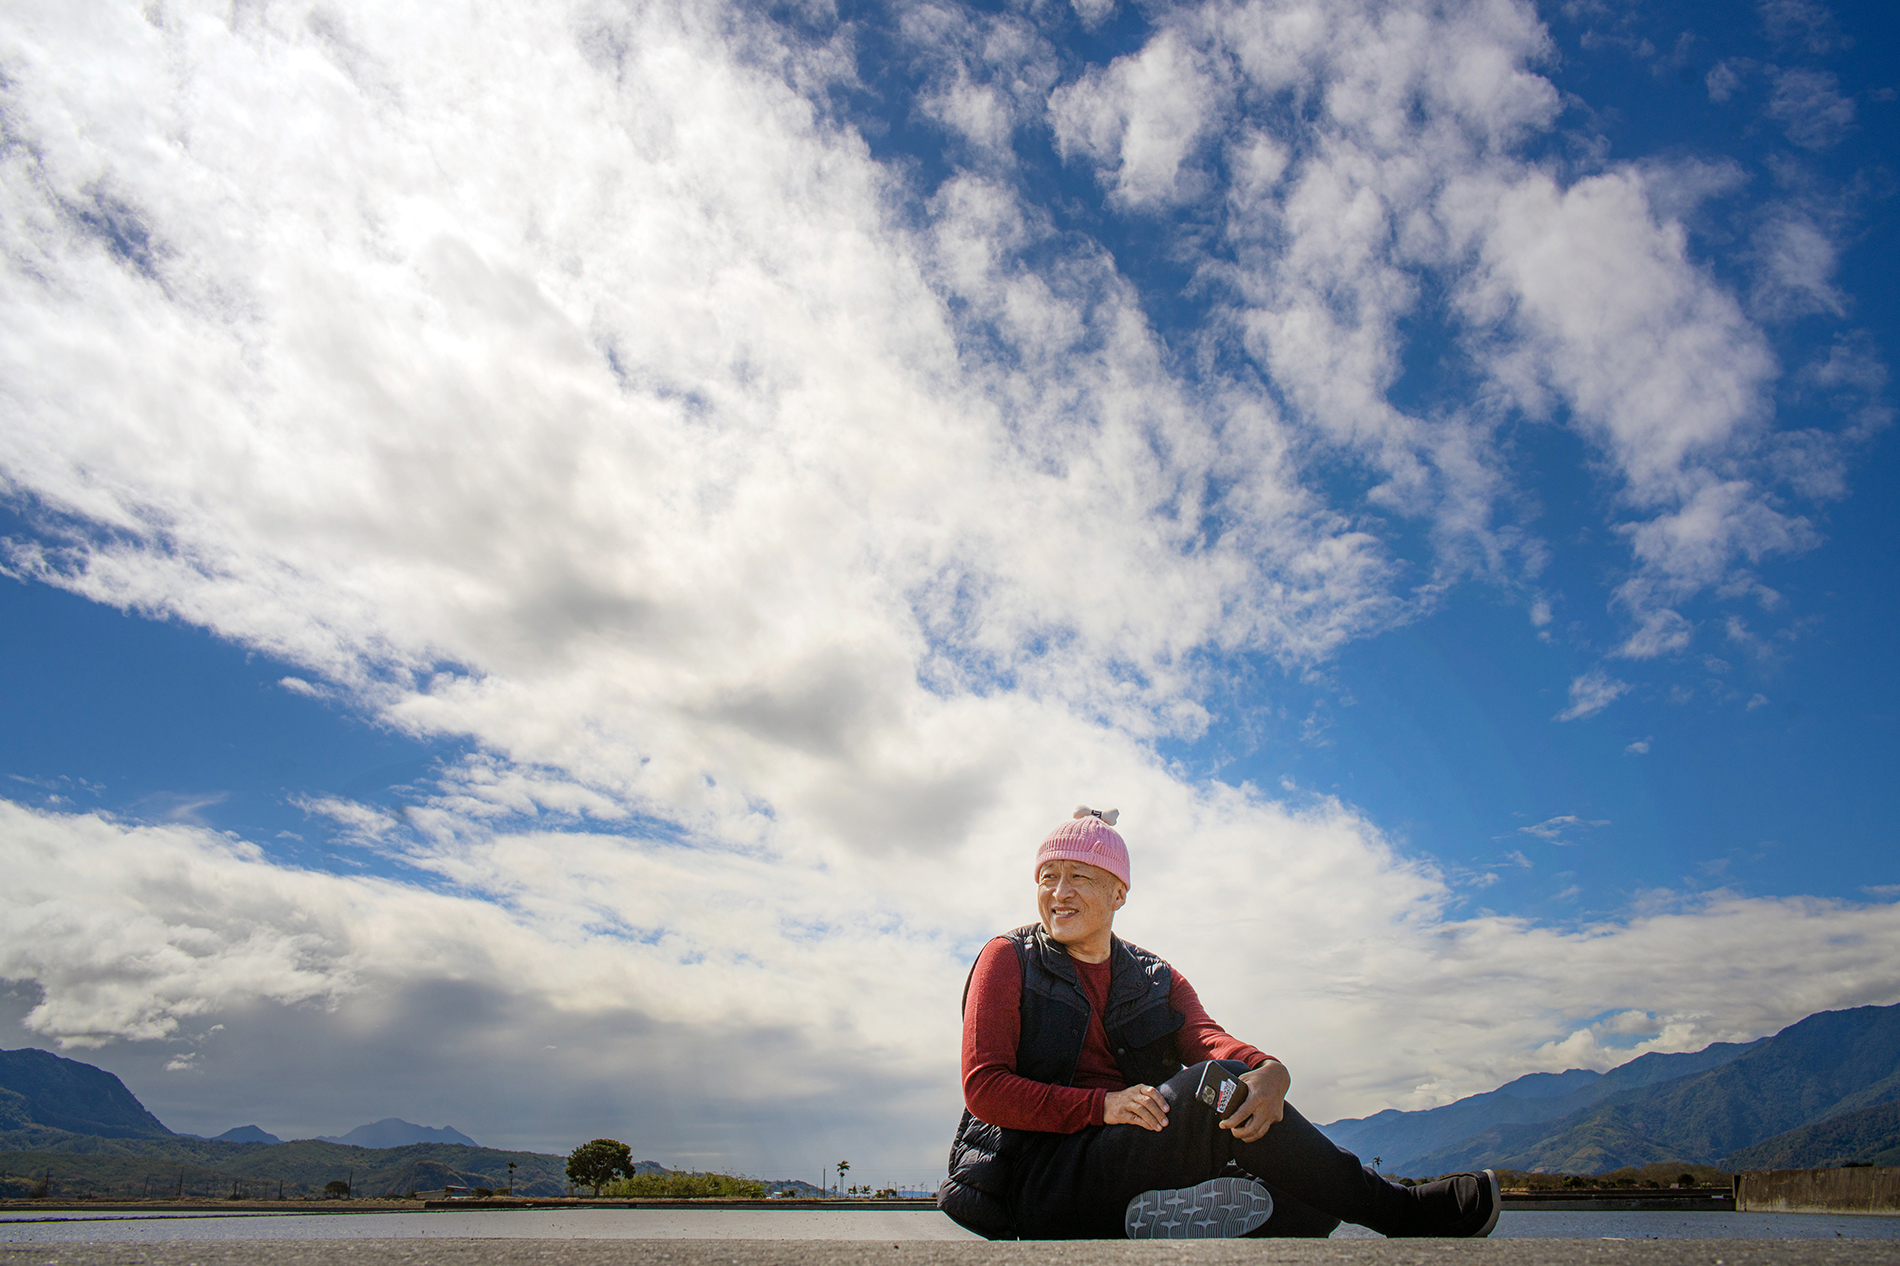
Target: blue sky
(540, 553)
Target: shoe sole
(1218, 1209)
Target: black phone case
(1220, 1090)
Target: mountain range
(39, 1088)
(389, 1132)
(1823, 1091)
(1731, 1105)
(80, 1128)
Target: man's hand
(1265, 1103)
(1137, 1105)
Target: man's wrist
(1274, 1069)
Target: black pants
(1076, 1186)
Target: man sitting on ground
(1081, 1054)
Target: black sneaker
(1478, 1203)
(1218, 1209)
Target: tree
(336, 1189)
(598, 1163)
(842, 1166)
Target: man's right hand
(1137, 1105)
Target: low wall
(1863, 1189)
(1617, 1200)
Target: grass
(677, 1186)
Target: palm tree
(842, 1166)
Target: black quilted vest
(1140, 1025)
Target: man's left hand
(1265, 1103)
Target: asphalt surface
(484, 1252)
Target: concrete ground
(488, 1252)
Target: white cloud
(1591, 693)
(1140, 119)
(1654, 360)
(1810, 109)
(1722, 81)
(569, 382)
(1553, 830)
(1796, 271)
(632, 952)
(1805, 23)
(1638, 747)
(990, 74)
(1630, 1023)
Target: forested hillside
(1406, 1141)
(1830, 1063)
(1868, 1136)
(88, 1165)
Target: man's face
(1077, 901)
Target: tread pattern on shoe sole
(1218, 1209)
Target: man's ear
(1121, 895)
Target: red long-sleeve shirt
(992, 1024)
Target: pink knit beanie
(1089, 836)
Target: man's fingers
(1250, 1123)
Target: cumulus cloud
(1140, 120)
(635, 954)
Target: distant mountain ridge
(391, 1132)
(1724, 1105)
(191, 1166)
(39, 1088)
(81, 1127)
(1829, 1063)
(1406, 1142)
